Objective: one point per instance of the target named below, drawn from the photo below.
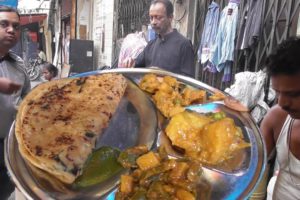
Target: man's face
(9, 30)
(287, 88)
(159, 20)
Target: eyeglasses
(289, 141)
(6, 24)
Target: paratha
(59, 121)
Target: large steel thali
(137, 122)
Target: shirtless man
(281, 125)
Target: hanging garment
(223, 49)
(249, 36)
(209, 32)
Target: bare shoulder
(275, 117)
(271, 126)
(273, 121)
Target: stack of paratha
(59, 121)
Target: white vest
(289, 168)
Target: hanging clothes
(248, 88)
(252, 24)
(223, 49)
(209, 32)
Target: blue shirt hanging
(223, 50)
(209, 32)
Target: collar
(167, 36)
(7, 57)
(235, 1)
(213, 5)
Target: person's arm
(26, 87)
(187, 59)
(271, 126)
(8, 87)
(140, 60)
(128, 63)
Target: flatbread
(58, 122)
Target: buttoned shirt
(251, 26)
(12, 67)
(173, 53)
(223, 49)
(209, 32)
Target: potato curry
(169, 95)
(210, 139)
(204, 138)
(155, 176)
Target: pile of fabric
(133, 44)
(249, 89)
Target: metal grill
(132, 14)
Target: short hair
(168, 5)
(285, 59)
(51, 68)
(9, 9)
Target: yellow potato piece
(182, 194)
(204, 139)
(149, 83)
(219, 140)
(126, 184)
(184, 130)
(148, 161)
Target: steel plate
(137, 122)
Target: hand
(128, 63)
(8, 87)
